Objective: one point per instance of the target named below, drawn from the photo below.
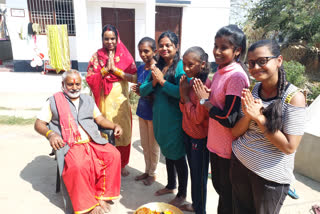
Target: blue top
(144, 109)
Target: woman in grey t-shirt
(269, 132)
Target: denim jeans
(198, 159)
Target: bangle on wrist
(52, 133)
(103, 71)
(118, 72)
(48, 132)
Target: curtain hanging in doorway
(58, 45)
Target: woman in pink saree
(109, 71)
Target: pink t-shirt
(230, 80)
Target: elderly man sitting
(90, 167)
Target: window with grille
(49, 12)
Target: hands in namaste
(157, 76)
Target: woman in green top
(167, 117)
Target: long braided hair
(273, 112)
(202, 57)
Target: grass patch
(33, 109)
(5, 108)
(12, 120)
(133, 100)
(210, 76)
(27, 109)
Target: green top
(167, 117)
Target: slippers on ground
(186, 207)
(141, 177)
(293, 194)
(149, 180)
(178, 201)
(163, 191)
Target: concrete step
(6, 69)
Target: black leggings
(177, 166)
(221, 182)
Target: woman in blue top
(151, 150)
(167, 117)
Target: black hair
(149, 40)
(152, 44)
(110, 27)
(169, 76)
(202, 57)
(273, 112)
(238, 39)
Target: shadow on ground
(135, 193)
(137, 145)
(41, 174)
(307, 181)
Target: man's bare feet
(124, 172)
(149, 180)
(97, 210)
(105, 206)
(187, 207)
(163, 191)
(177, 201)
(110, 202)
(141, 177)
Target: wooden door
(123, 20)
(168, 18)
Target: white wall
(200, 22)
(23, 49)
(95, 26)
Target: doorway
(123, 20)
(168, 18)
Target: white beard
(71, 94)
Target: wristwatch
(202, 101)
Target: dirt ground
(29, 175)
(28, 184)
(28, 178)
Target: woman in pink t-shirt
(223, 101)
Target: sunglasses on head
(262, 61)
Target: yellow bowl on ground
(160, 207)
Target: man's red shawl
(69, 128)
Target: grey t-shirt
(256, 152)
